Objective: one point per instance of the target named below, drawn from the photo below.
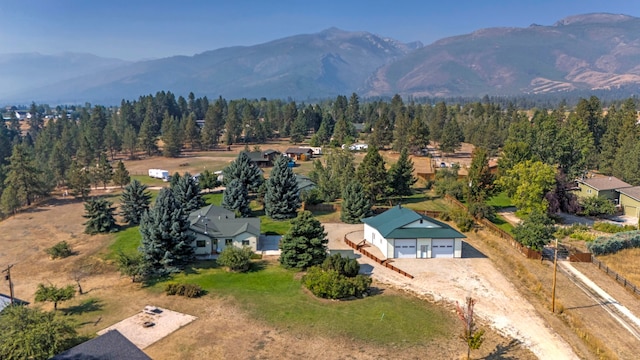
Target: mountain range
(584, 52)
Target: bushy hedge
(612, 228)
(564, 231)
(603, 245)
(236, 259)
(59, 250)
(330, 284)
(344, 266)
(187, 290)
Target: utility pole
(555, 271)
(8, 277)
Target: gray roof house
(403, 233)
(215, 228)
(6, 301)
(304, 183)
(601, 186)
(263, 158)
(109, 346)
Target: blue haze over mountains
(584, 52)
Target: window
(588, 191)
(201, 243)
(246, 243)
(228, 242)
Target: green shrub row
(562, 232)
(331, 285)
(187, 290)
(612, 228)
(583, 235)
(344, 266)
(603, 245)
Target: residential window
(201, 243)
(228, 242)
(246, 243)
(588, 191)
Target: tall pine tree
(236, 198)
(245, 170)
(355, 203)
(187, 193)
(135, 202)
(305, 244)
(99, 213)
(372, 174)
(401, 175)
(166, 239)
(282, 198)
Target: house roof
(6, 301)
(218, 222)
(257, 156)
(393, 223)
(304, 183)
(109, 346)
(297, 150)
(632, 192)
(604, 183)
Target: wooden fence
(619, 278)
(385, 263)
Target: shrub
(463, 220)
(603, 245)
(59, 250)
(344, 266)
(330, 284)
(583, 235)
(596, 206)
(186, 290)
(481, 210)
(236, 259)
(565, 231)
(612, 228)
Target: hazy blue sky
(137, 29)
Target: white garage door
(442, 248)
(405, 248)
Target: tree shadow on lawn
(86, 306)
(257, 266)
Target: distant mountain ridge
(581, 52)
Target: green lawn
(273, 295)
(500, 200)
(127, 241)
(502, 224)
(213, 199)
(149, 181)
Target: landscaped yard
(276, 296)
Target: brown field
(625, 263)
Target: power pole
(555, 271)
(8, 277)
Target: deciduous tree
(54, 294)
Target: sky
(147, 29)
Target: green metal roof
(391, 224)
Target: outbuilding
(403, 233)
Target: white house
(215, 228)
(403, 233)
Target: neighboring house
(304, 183)
(6, 301)
(263, 158)
(403, 233)
(298, 153)
(215, 228)
(317, 150)
(356, 147)
(601, 186)
(111, 345)
(630, 201)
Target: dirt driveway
(449, 280)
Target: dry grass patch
(626, 263)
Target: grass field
(274, 295)
(500, 201)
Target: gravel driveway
(452, 280)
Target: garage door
(405, 248)
(442, 248)
(630, 210)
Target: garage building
(403, 233)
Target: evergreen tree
(9, 201)
(401, 175)
(355, 203)
(166, 239)
(148, 136)
(78, 180)
(451, 137)
(372, 174)
(121, 175)
(99, 213)
(282, 198)
(382, 132)
(208, 180)
(245, 170)
(112, 141)
(187, 193)
(479, 178)
(401, 131)
(130, 141)
(171, 136)
(192, 132)
(418, 135)
(103, 172)
(213, 124)
(135, 201)
(236, 198)
(305, 244)
(24, 175)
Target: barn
(403, 233)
